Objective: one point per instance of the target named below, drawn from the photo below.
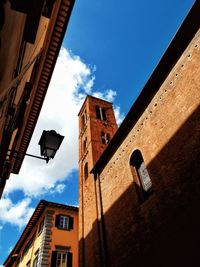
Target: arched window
(140, 172)
(105, 138)
(100, 113)
(86, 171)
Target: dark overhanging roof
(32, 222)
(178, 45)
(48, 60)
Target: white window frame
(59, 261)
(64, 222)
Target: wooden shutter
(47, 8)
(69, 259)
(32, 21)
(53, 258)
(20, 6)
(57, 221)
(71, 222)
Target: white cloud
(59, 188)
(108, 95)
(10, 249)
(71, 82)
(118, 115)
(16, 214)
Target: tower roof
(90, 96)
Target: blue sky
(109, 51)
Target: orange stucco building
(31, 34)
(49, 239)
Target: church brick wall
(164, 229)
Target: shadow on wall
(163, 231)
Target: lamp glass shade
(50, 142)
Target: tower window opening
(85, 145)
(84, 119)
(86, 170)
(105, 138)
(141, 175)
(100, 113)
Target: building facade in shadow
(139, 194)
(31, 34)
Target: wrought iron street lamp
(50, 142)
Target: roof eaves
(48, 60)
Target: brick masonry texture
(164, 230)
(89, 249)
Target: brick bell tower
(97, 125)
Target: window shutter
(69, 259)
(57, 222)
(71, 222)
(53, 258)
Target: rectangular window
(41, 226)
(61, 259)
(64, 222)
(100, 113)
(35, 261)
(29, 244)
